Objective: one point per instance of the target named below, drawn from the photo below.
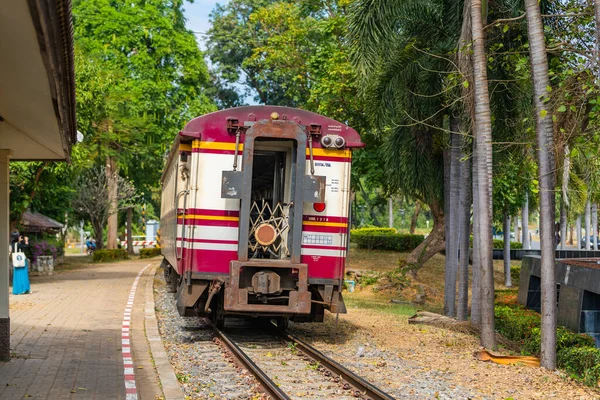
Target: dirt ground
(372, 318)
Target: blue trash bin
(21, 279)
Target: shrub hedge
(498, 244)
(576, 352)
(581, 363)
(150, 252)
(384, 239)
(110, 255)
(515, 274)
(372, 231)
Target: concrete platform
(67, 336)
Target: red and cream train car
(255, 214)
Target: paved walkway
(66, 336)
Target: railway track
(287, 368)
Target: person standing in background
(21, 266)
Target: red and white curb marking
(129, 377)
(140, 243)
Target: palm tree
(483, 150)
(401, 51)
(545, 143)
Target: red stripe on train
(324, 229)
(330, 159)
(208, 222)
(217, 241)
(324, 218)
(207, 211)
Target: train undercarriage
(253, 292)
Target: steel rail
(365, 388)
(268, 385)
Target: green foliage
(582, 363)
(372, 230)
(384, 239)
(109, 255)
(515, 274)
(140, 77)
(150, 252)
(576, 353)
(498, 244)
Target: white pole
(588, 225)
(578, 232)
(595, 226)
(525, 223)
(4, 244)
(81, 237)
(390, 213)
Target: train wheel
(282, 323)
(174, 282)
(167, 274)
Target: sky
(197, 16)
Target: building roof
(37, 82)
(35, 222)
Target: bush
(384, 239)
(576, 353)
(373, 230)
(515, 274)
(110, 255)
(582, 363)
(43, 248)
(498, 244)
(150, 252)
(523, 327)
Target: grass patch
(380, 305)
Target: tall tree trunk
(516, 231)
(415, 216)
(452, 218)
(465, 63)
(506, 232)
(595, 225)
(112, 173)
(98, 233)
(545, 144)
(432, 244)
(483, 148)
(525, 222)
(130, 230)
(476, 280)
(588, 224)
(464, 226)
(390, 212)
(597, 17)
(578, 231)
(563, 224)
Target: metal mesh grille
(277, 217)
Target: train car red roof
(213, 127)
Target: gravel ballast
(199, 364)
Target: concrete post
(525, 223)
(4, 264)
